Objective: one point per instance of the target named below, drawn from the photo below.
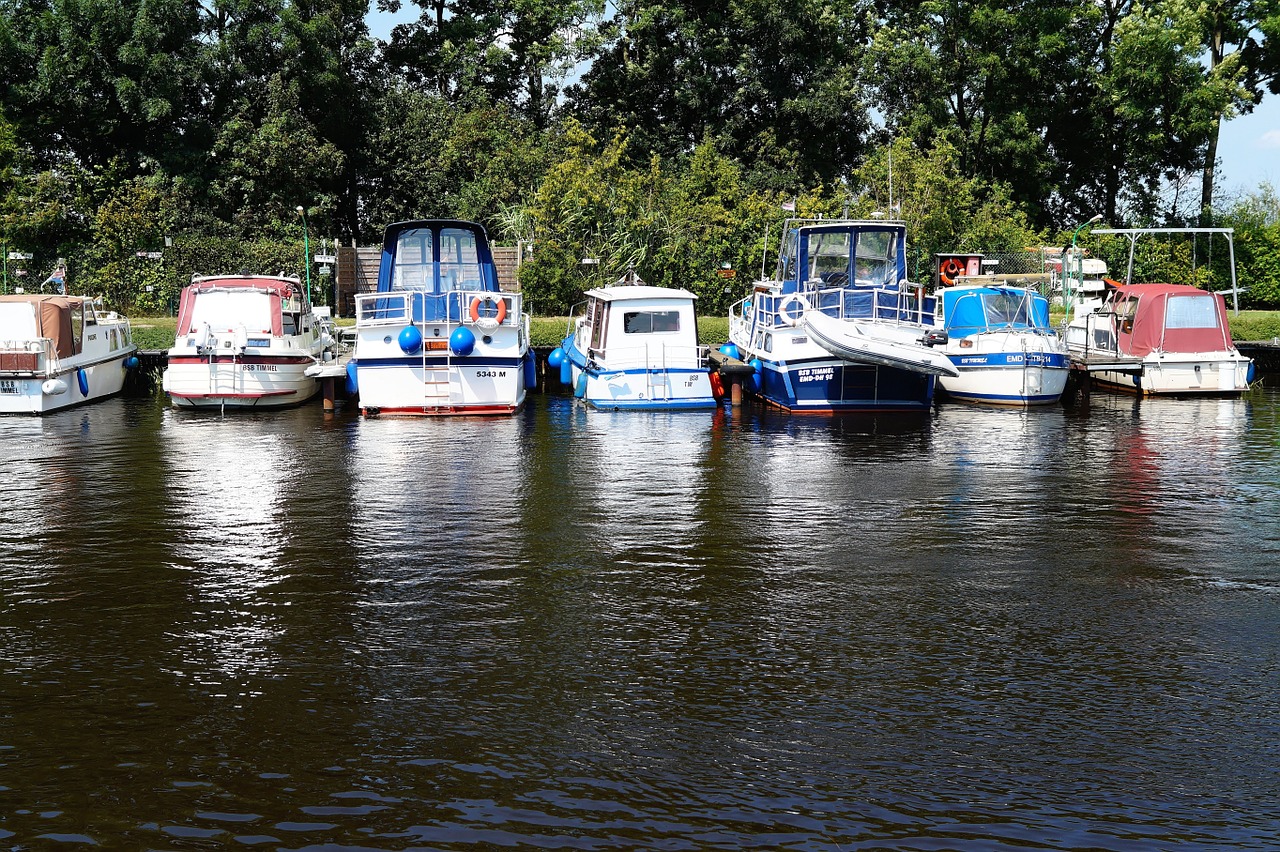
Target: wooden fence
(358, 273)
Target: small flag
(789, 206)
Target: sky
(1248, 148)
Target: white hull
(1007, 368)
(886, 345)
(233, 384)
(24, 393)
(1201, 373)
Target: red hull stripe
(244, 359)
(232, 395)
(443, 410)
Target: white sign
(326, 258)
(19, 255)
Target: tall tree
(1242, 38)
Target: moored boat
(634, 346)
(440, 336)
(244, 341)
(1000, 341)
(1163, 339)
(58, 351)
(839, 327)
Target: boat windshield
(420, 267)
(875, 258)
(829, 258)
(1005, 309)
(1191, 312)
(225, 311)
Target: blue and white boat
(1000, 341)
(439, 336)
(633, 346)
(839, 327)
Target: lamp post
(306, 249)
(1079, 261)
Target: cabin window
(1125, 311)
(874, 259)
(649, 322)
(1191, 312)
(77, 327)
(1006, 309)
(597, 316)
(224, 311)
(829, 258)
(459, 260)
(787, 262)
(415, 259)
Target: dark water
(979, 629)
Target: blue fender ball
(132, 362)
(462, 342)
(556, 358)
(730, 350)
(410, 340)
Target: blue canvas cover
(972, 310)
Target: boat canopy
(33, 316)
(842, 253)
(1169, 318)
(226, 303)
(972, 310)
(436, 257)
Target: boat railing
(483, 308)
(33, 355)
(650, 356)
(1098, 333)
(904, 305)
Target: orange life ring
(949, 270)
(498, 317)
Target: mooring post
(327, 387)
(735, 390)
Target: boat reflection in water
(964, 629)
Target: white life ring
(794, 302)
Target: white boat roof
(621, 292)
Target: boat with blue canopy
(440, 336)
(1001, 342)
(839, 327)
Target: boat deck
(1105, 362)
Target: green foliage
(944, 210)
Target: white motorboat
(1000, 340)
(440, 336)
(636, 347)
(244, 341)
(58, 351)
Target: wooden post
(735, 391)
(327, 387)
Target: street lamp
(306, 249)
(1079, 260)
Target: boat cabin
(257, 307)
(435, 264)
(1146, 318)
(35, 327)
(847, 269)
(634, 323)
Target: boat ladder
(664, 385)
(437, 381)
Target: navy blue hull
(837, 386)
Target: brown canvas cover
(53, 319)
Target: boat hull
(223, 382)
(1019, 377)
(1204, 374)
(417, 386)
(25, 393)
(652, 388)
(830, 385)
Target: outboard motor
(935, 338)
